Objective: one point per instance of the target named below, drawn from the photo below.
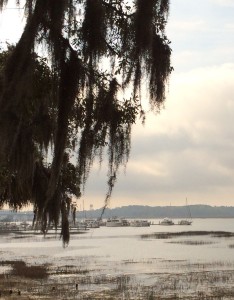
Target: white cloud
(188, 148)
(186, 25)
(229, 26)
(228, 3)
(11, 23)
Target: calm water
(122, 250)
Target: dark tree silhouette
(98, 50)
(38, 120)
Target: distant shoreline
(197, 211)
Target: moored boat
(116, 222)
(185, 222)
(113, 222)
(91, 223)
(140, 223)
(189, 220)
(166, 221)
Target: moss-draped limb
(72, 103)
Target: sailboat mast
(188, 209)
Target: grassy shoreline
(30, 282)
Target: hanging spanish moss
(144, 24)
(94, 29)
(70, 103)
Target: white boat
(166, 221)
(115, 222)
(91, 223)
(186, 221)
(125, 223)
(140, 223)
(101, 222)
(79, 226)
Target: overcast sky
(188, 149)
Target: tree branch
(119, 12)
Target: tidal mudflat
(189, 262)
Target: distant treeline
(140, 211)
(151, 212)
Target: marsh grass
(67, 270)
(215, 265)
(144, 261)
(168, 235)
(189, 281)
(192, 242)
(19, 268)
(187, 285)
